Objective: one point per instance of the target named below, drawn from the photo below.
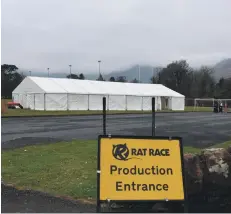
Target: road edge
(67, 198)
(31, 116)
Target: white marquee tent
(40, 93)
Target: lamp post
(139, 72)
(153, 71)
(48, 72)
(30, 73)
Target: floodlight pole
(70, 71)
(99, 61)
(153, 71)
(139, 72)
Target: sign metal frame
(137, 138)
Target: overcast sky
(37, 34)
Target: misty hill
(42, 74)
(56, 74)
(223, 69)
(132, 73)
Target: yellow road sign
(133, 168)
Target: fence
(210, 102)
(200, 102)
(189, 102)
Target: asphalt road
(197, 129)
(29, 201)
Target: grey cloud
(38, 34)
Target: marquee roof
(75, 86)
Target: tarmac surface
(196, 129)
(28, 201)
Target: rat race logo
(122, 152)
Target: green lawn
(65, 168)
(27, 112)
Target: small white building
(41, 93)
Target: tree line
(10, 80)
(118, 79)
(193, 83)
(178, 76)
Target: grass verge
(65, 168)
(27, 112)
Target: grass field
(27, 112)
(65, 168)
